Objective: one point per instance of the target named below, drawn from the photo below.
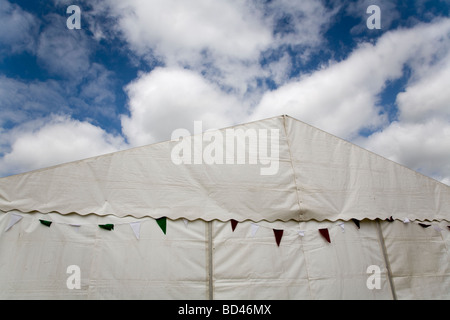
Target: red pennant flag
(325, 234)
(233, 224)
(390, 219)
(423, 225)
(278, 235)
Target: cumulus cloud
(180, 30)
(420, 139)
(18, 28)
(427, 95)
(424, 147)
(50, 141)
(297, 23)
(75, 85)
(224, 40)
(21, 101)
(63, 52)
(343, 97)
(170, 98)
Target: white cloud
(298, 23)
(181, 30)
(170, 98)
(428, 95)
(420, 139)
(63, 52)
(18, 28)
(424, 147)
(46, 142)
(342, 98)
(221, 39)
(21, 101)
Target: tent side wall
(245, 263)
(302, 267)
(419, 258)
(34, 259)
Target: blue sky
(138, 70)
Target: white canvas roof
(316, 176)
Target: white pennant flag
(136, 226)
(76, 226)
(437, 228)
(342, 225)
(301, 233)
(186, 221)
(406, 220)
(13, 219)
(254, 227)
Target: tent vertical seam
(210, 260)
(292, 165)
(386, 259)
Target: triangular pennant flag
(76, 226)
(13, 219)
(301, 233)
(356, 221)
(448, 227)
(186, 221)
(162, 223)
(423, 225)
(253, 228)
(233, 224)
(278, 235)
(342, 225)
(136, 227)
(325, 234)
(390, 219)
(107, 226)
(45, 222)
(406, 220)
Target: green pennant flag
(162, 222)
(45, 222)
(107, 226)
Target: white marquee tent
(333, 221)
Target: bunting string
(278, 232)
